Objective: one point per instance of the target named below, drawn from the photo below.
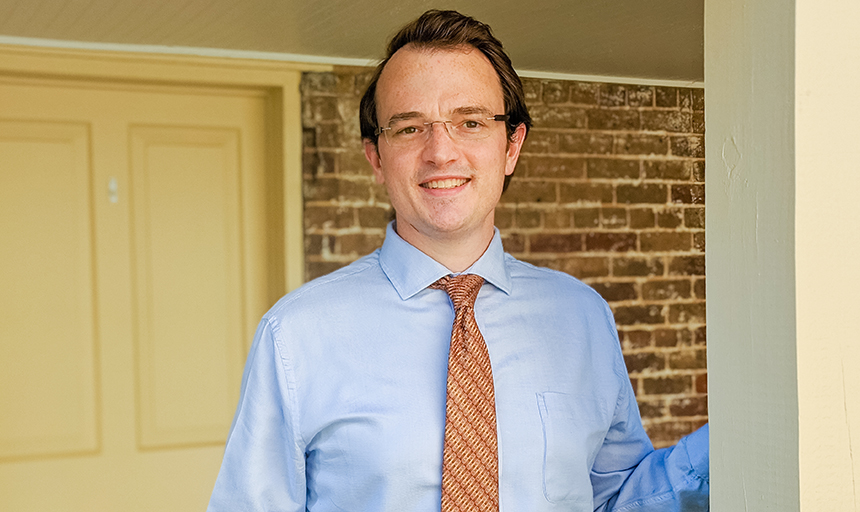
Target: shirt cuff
(698, 451)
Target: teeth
(452, 183)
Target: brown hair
(446, 30)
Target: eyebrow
(463, 111)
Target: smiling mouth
(442, 184)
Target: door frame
(279, 81)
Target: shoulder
(347, 284)
(552, 282)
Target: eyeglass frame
(498, 117)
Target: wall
(609, 188)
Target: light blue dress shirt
(343, 397)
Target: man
(350, 401)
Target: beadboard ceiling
(649, 39)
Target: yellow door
(132, 273)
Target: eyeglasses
(416, 131)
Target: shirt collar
(409, 270)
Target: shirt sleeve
(675, 479)
(628, 475)
(264, 461)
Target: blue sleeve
(675, 479)
(264, 462)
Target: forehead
(434, 82)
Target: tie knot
(463, 289)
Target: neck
(456, 252)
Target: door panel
(47, 300)
(133, 270)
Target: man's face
(442, 189)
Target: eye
(407, 130)
(471, 125)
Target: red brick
(636, 338)
(532, 90)
(557, 219)
(540, 141)
(358, 244)
(558, 117)
(320, 108)
(665, 241)
(640, 96)
(637, 267)
(328, 217)
(666, 338)
(353, 163)
(698, 96)
(702, 383)
(612, 168)
(694, 217)
(329, 135)
(615, 292)
(641, 218)
(687, 266)
(374, 216)
(583, 267)
(613, 218)
(667, 121)
(700, 335)
(641, 144)
(635, 315)
(666, 96)
(527, 218)
(552, 167)
(699, 288)
(667, 385)
(699, 171)
(687, 313)
(313, 244)
(685, 99)
(584, 93)
(555, 242)
(642, 193)
(667, 433)
(668, 169)
(613, 95)
(602, 119)
(613, 242)
(670, 218)
(689, 146)
(695, 406)
(585, 143)
(699, 242)
(554, 91)
(652, 408)
(688, 360)
(315, 83)
(666, 289)
(504, 217)
(585, 193)
(698, 123)
(513, 242)
(586, 217)
(688, 194)
(315, 269)
(644, 362)
(529, 192)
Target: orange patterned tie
(470, 466)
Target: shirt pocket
(574, 427)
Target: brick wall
(609, 188)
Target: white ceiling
(651, 39)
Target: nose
(440, 148)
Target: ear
(371, 152)
(514, 147)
